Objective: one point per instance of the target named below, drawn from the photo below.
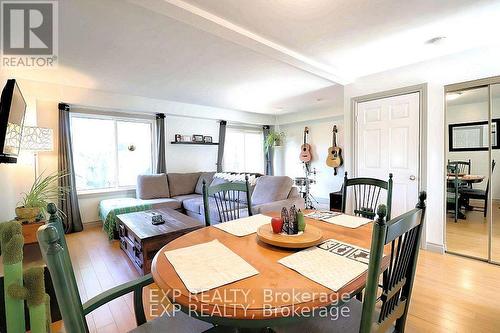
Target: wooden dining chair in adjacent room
(464, 167)
(452, 190)
(385, 307)
(227, 201)
(56, 255)
(473, 193)
(366, 193)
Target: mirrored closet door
(472, 177)
(495, 181)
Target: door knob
(412, 177)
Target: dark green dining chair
(56, 255)
(468, 193)
(385, 307)
(229, 201)
(452, 190)
(366, 194)
(464, 167)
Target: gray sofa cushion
(163, 203)
(185, 197)
(214, 213)
(152, 186)
(207, 176)
(271, 188)
(193, 205)
(182, 183)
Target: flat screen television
(12, 110)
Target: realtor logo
(29, 33)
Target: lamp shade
(37, 139)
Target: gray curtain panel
(69, 203)
(268, 154)
(161, 164)
(222, 139)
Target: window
(110, 152)
(244, 150)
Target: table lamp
(37, 139)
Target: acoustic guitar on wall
(305, 150)
(334, 158)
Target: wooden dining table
(466, 178)
(277, 294)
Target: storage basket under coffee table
(140, 239)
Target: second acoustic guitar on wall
(334, 157)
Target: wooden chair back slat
(403, 233)
(366, 193)
(228, 198)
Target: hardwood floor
(451, 294)
(470, 236)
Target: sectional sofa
(183, 192)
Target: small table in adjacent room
(140, 239)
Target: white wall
(191, 158)
(436, 73)
(42, 99)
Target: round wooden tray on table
(309, 237)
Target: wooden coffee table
(140, 239)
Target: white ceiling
(261, 56)
(362, 37)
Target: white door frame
(422, 167)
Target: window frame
(244, 129)
(116, 118)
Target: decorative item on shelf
(207, 139)
(178, 138)
(186, 138)
(33, 205)
(197, 138)
(131, 147)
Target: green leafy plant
(274, 139)
(44, 190)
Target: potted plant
(44, 190)
(274, 139)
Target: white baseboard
(91, 224)
(438, 248)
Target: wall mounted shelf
(195, 143)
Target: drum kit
(304, 185)
(334, 160)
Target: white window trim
(128, 118)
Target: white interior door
(387, 141)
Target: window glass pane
(243, 151)
(134, 151)
(234, 155)
(94, 154)
(254, 156)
